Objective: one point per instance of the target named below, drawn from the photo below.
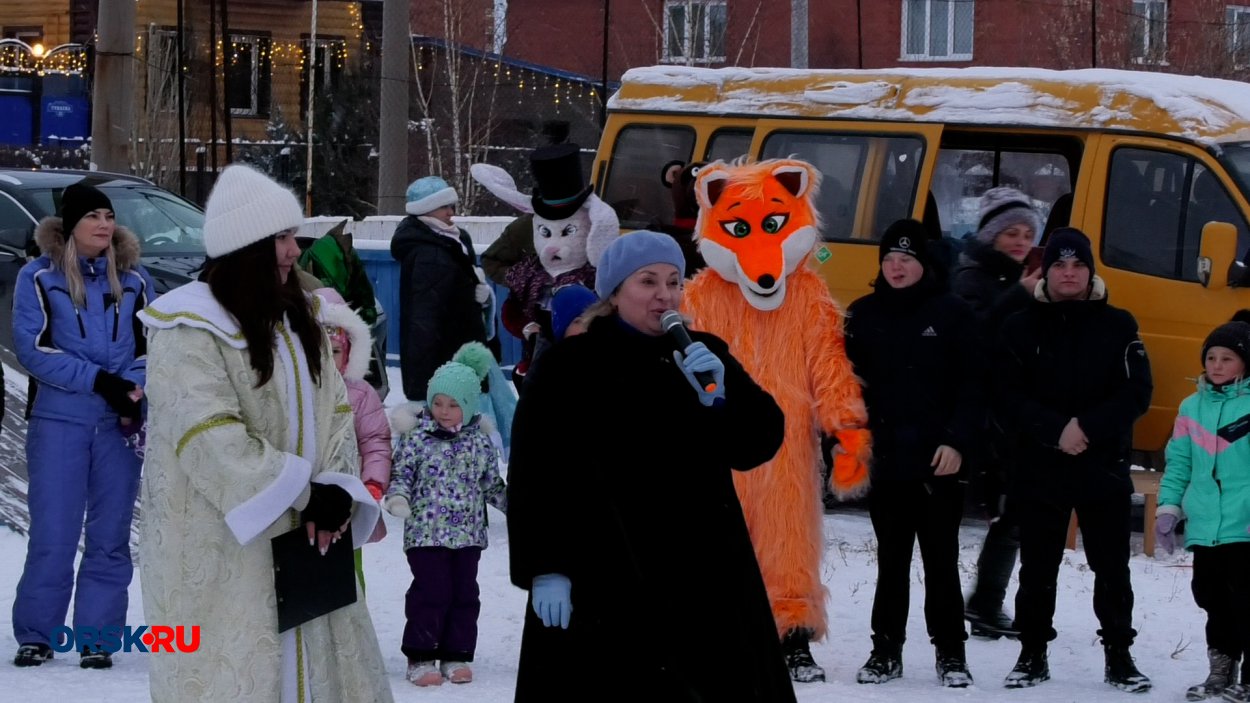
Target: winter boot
(32, 655)
(952, 666)
(803, 668)
(1223, 674)
(990, 625)
(95, 659)
(1122, 673)
(424, 673)
(1031, 668)
(456, 672)
(884, 664)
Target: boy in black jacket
(1073, 378)
(915, 346)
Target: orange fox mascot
(756, 228)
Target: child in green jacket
(1207, 483)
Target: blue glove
(1165, 532)
(552, 602)
(699, 358)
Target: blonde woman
(75, 331)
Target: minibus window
(844, 161)
(634, 186)
(728, 144)
(1157, 204)
(963, 175)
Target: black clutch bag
(308, 584)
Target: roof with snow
(1190, 107)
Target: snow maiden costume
(229, 466)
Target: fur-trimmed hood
(335, 312)
(51, 240)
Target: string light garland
(18, 57)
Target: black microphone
(672, 323)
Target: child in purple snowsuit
(445, 471)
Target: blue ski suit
(77, 458)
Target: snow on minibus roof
(1201, 109)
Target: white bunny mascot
(572, 228)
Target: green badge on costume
(823, 254)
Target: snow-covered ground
(1171, 647)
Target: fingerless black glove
(328, 507)
(115, 389)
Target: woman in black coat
(441, 293)
(623, 522)
(915, 348)
(994, 278)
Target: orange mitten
(849, 477)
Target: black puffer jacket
(437, 310)
(916, 350)
(989, 281)
(1081, 359)
(639, 511)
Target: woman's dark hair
(245, 282)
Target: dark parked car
(169, 228)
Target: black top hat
(560, 186)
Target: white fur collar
(193, 305)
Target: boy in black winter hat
(1072, 378)
(915, 347)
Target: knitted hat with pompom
(461, 378)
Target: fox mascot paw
(849, 477)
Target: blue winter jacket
(64, 346)
(1208, 466)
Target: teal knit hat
(461, 378)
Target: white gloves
(481, 293)
(398, 506)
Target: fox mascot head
(757, 224)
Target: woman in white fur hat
(250, 436)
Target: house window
(248, 75)
(694, 31)
(30, 35)
(937, 30)
(1237, 20)
(329, 56)
(1149, 31)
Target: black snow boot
(952, 666)
(95, 659)
(990, 625)
(1122, 673)
(32, 654)
(795, 647)
(884, 664)
(1223, 674)
(1031, 668)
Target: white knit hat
(245, 207)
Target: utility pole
(225, 104)
(312, 83)
(182, 107)
(393, 126)
(798, 33)
(112, 91)
(603, 80)
(1093, 33)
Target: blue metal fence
(383, 272)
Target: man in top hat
(1073, 377)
